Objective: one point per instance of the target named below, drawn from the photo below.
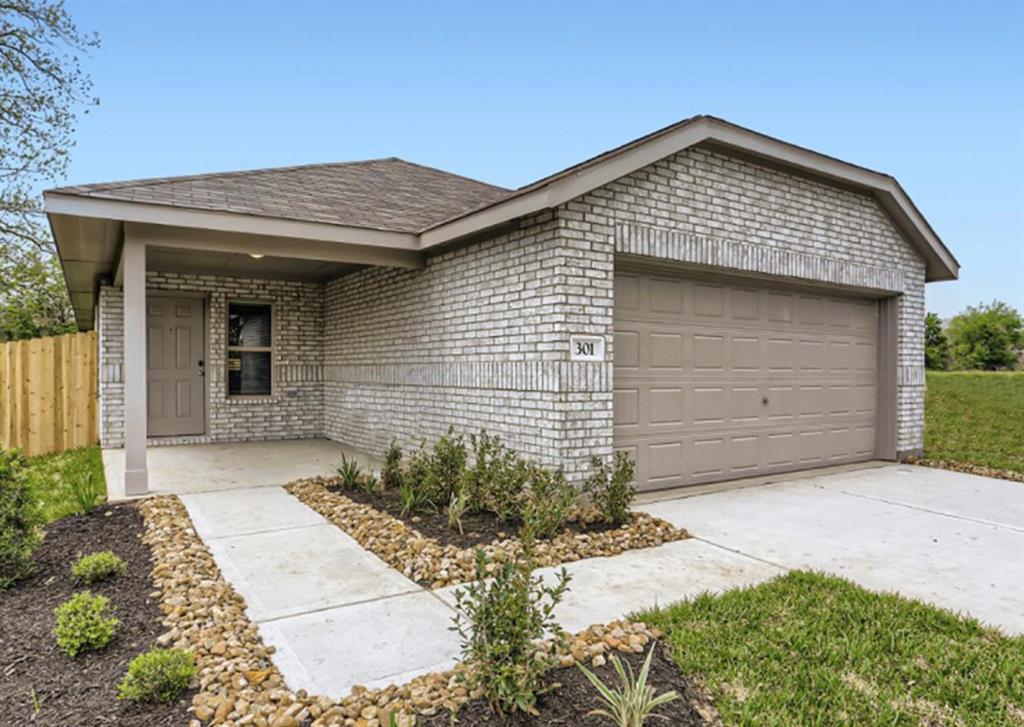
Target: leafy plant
(350, 472)
(501, 618)
(414, 497)
(631, 704)
(457, 508)
(98, 566)
(84, 487)
(84, 623)
(936, 344)
(447, 466)
(612, 492)
(19, 534)
(546, 502)
(158, 675)
(391, 475)
(370, 483)
(497, 478)
(986, 337)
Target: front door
(174, 354)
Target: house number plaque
(586, 348)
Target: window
(250, 352)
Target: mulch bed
(81, 691)
(968, 468)
(571, 702)
(477, 528)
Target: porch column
(136, 478)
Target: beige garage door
(721, 380)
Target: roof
(391, 212)
(378, 194)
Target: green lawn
(810, 649)
(976, 417)
(50, 474)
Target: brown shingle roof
(381, 194)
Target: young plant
(85, 488)
(612, 492)
(501, 618)
(84, 623)
(350, 472)
(497, 478)
(634, 702)
(159, 675)
(98, 566)
(370, 483)
(448, 465)
(457, 508)
(414, 497)
(391, 475)
(546, 503)
(19, 519)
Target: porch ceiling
(242, 265)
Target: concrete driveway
(951, 539)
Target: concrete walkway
(337, 614)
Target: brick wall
(293, 411)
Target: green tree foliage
(986, 337)
(42, 86)
(936, 344)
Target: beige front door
(720, 380)
(175, 353)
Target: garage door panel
(715, 380)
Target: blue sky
(932, 93)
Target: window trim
(229, 349)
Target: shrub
(84, 487)
(97, 566)
(350, 472)
(986, 337)
(457, 507)
(546, 503)
(447, 466)
(634, 701)
(415, 485)
(501, 618)
(18, 520)
(391, 475)
(612, 492)
(496, 480)
(159, 675)
(84, 623)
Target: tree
(41, 88)
(986, 337)
(936, 344)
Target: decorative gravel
(968, 468)
(238, 682)
(437, 565)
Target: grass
(811, 649)
(976, 417)
(49, 475)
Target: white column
(136, 478)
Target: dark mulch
(574, 697)
(477, 528)
(80, 691)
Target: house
(715, 301)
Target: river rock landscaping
(44, 686)
(428, 515)
(238, 683)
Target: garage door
(720, 380)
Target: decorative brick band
(283, 373)
(546, 376)
(674, 245)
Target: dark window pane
(248, 372)
(248, 325)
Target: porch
(190, 468)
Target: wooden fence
(48, 393)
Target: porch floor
(185, 468)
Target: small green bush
(159, 675)
(501, 617)
(497, 478)
(84, 623)
(84, 488)
(546, 503)
(391, 475)
(612, 492)
(350, 472)
(447, 466)
(97, 566)
(19, 534)
(416, 486)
